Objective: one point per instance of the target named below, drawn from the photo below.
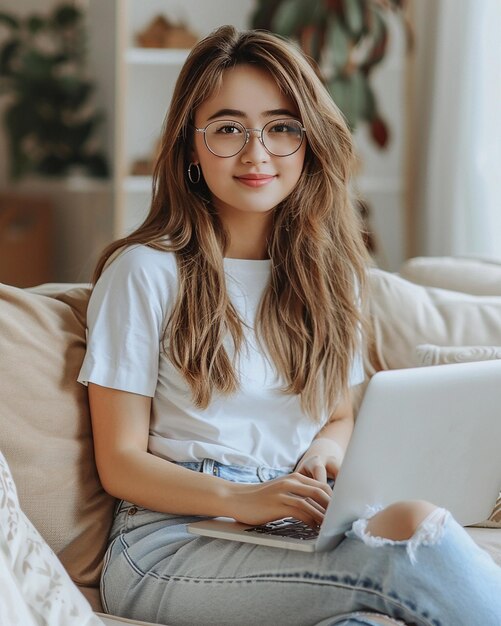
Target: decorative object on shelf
(144, 166)
(347, 39)
(161, 33)
(49, 119)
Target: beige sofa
(45, 431)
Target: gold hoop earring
(194, 180)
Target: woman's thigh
(157, 571)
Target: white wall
(382, 179)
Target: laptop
(428, 433)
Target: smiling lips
(255, 180)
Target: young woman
(223, 341)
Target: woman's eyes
(283, 127)
(228, 129)
(280, 127)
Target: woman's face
(252, 181)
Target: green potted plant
(347, 39)
(49, 118)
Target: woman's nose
(254, 150)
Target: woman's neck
(248, 236)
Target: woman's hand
(294, 495)
(322, 460)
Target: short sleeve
(125, 322)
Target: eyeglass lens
(280, 137)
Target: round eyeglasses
(226, 138)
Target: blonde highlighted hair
(310, 315)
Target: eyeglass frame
(247, 136)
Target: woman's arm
(120, 424)
(323, 458)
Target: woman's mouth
(255, 180)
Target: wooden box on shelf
(26, 250)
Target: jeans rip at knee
(429, 532)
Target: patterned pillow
(495, 517)
(35, 589)
(428, 354)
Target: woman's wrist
(325, 446)
(227, 499)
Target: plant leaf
(354, 96)
(264, 13)
(293, 15)
(66, 15)
(379, 36)
(338, 43)
(379, 132)
(354, 18)
(339, 88)
(7, 55)
(73, 91)
(36, 65)
(310, 40)
(9, 20)
(16, 118)
(35, 24)
(96, 164)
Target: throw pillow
(496, 513)
(405, 315)
(45, 429)
(35, 589)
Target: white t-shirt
(257, 425)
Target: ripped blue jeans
(156, 571)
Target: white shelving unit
(136, 85)
(148, 77)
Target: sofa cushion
(45, 425)
(489, 539)
(475, 276)
(405, 315)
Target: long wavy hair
(309, 319)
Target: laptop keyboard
(287, 527)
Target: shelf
(156, 56)
(73, 184)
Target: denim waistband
(235, 473)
